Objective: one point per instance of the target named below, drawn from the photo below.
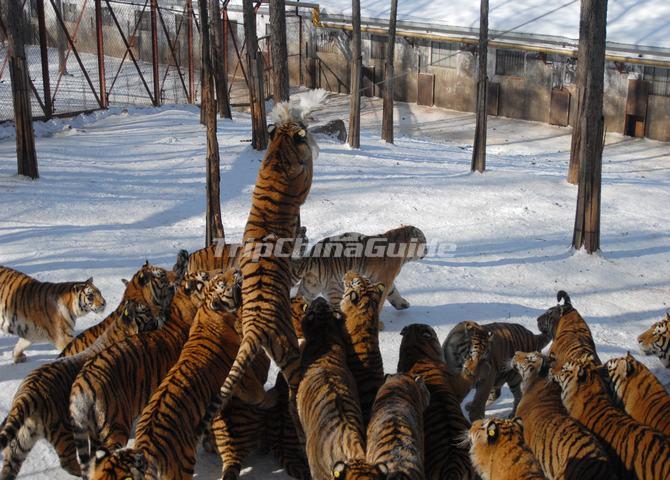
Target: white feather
(296, 111)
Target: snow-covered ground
(117, 188)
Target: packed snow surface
(120, 187)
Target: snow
(120, 187)
(631, 22)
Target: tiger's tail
(21, 409)
(249, 348)
(181, 264)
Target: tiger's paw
(401, 304)
(20, 358)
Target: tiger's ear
(89, 281)
(272, 129)
(403, 331)
(492, 432)
(383, 469)
(518, 421)
(339, 469)
(125, 281)
(380, 288)
(581, 374)
(100, 454)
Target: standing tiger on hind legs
(283, 183)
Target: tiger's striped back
(395, 434)
(498, 452)
(643, 452)
(360, 306)
(444, 423)
(562, 446)
(218, 256)
(642, 395)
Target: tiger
(421, 355)
(498, 452)
(562, 446)
(377, 257)
(327, 401)
(298, 308)
(492, 346)
(283, 439)
(149, 286)
(112, 388)
(395, 432)
(572, 338)
(43, 312)
(40, 406)
(643, 397)
(360, 306)
(656, 341)
(643, 452)
(171, 424)
(282, 186)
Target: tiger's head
(152, 286)
(361, 297)
(321, 321)
(412, 238)
(359, 470)
(224, 291)
(193, 285)
(530, 365)
(88, 297)
(491, 438)
(122, 464)
(480, 349)
(138, 318)
(548, 321)
(579, 381)
(419, 342)
(620, 370)
(656, 340)
(298, 308)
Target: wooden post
(256, 91)
(356, 73)
(592, 36)
(61, 40)
(213, 223)
(226, 32)
(220, 74)
(279, 50)
(191, 63)
(389, 77)
(44, 54)
(101, 54)
(154, 52)
(18, 68)
(479, 149)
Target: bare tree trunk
(256, 91)
(573, 168)
(61, 40)
(356, 73)
(221, 75)
(592, 35)
(479, 149)
(213, 223)
(18, 69)
(279, 50)
(389, 77)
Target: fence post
(101, 54)
(44, 54)
(154, 52)
(191, 63)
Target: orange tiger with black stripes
(113, 387)
(171, 424)
(282, 186)
(43, 311)
(656, 341)
(643, 452)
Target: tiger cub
(656, 340)
(112, 388)
(42, 311)
(283, 439)
(421, 355)
(395, 432)
(643, 397)
(644, 453)
(492, 346)
(149, 286)
(498, 452)
(328, 401)
(171, 424)
(322, 268)
(572, 338)
(360, 306)
(40, 406)
(564, 448)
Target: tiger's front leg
(395, 299)
(18, 352)
(478, 405)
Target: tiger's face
(480, 345)
(123, 464)
(656, 341)
(419, 342)
(194, 283)
(578, 380)
(548, 321)
(90, 298)
(619, 369)
(529, 365)
(152, 285)
(488, 436)
(138, 318)
(361, 297)
(359, 470)
(321, 320)
(224, 291)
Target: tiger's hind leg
(395, 299)
(62, 439)
(514, 383)
(18, 352)
(18, 449)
